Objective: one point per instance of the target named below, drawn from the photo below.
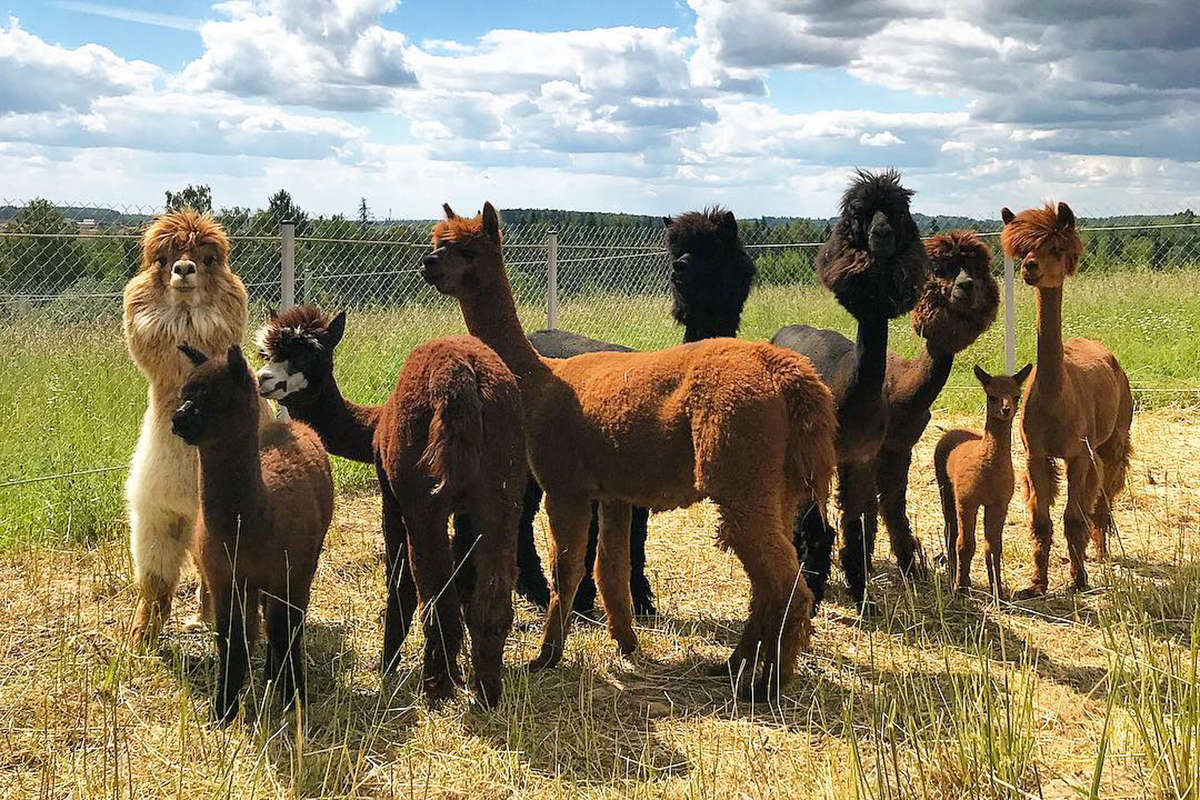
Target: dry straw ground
(1089, 695)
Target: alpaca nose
(430, 260)
(684, 261)
(184, 268)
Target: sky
(641, 106)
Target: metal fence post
(1010, 319)
(552, 279)
(287, 276)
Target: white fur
(280, 372)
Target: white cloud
(38, 76)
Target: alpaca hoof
(764, 689)
(626, 645)
(913, 566)
(439, 690)
(538, 594)
(488, 692)
(644, 608)
(1030, 592)
(963, 589)
(548, 658)
(1079, 585)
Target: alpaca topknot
(297, 325)
(948, 326)
(181, 229)
(1034, 228)
(875, 190)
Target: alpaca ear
(1022, 374)
(491, 222)
(334, 331)
(272, 314)
(1007, 216)
(982, 376)
(195, 356)
(449, 211)
(729, 223)
(236, 362)
(1066, 217)
(668, 222)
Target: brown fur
(746, 424)
(266, 504)
(976, 470)
(959, 302)
(1078, 407)
(448, 439)
(159, 313)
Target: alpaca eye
(208, 260)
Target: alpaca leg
(400, 587)
(284, 618)
(204, 606)
(1113, 457)
(856, 490)
(531, 583)
(950, 529)
(993, 545)
(964, 549)
(1082, 487)
(585, 595)
(469, 531)
(489, 615)
(1040, 483)
(639, 584)
(236, 610)
(568, 543)
(813, 538)
(159, 541)
(891, 483)
(432, 562)
(612, 573)
(779, 624)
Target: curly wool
(935, 318)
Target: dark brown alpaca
(447, 440)
(745, 424)
(957, 305)
(266, 499)
(875, 265)
(976, 470)
(1078, 407)
(711, 274)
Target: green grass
(70, 399)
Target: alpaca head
(218, 401)
(874, 262)
(1003, 392)
(711, 271)
(188, 253)
(466, 259)
(1044, 242)
(297, 347)
(961, 296)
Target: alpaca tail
(454, 453)
(941, 455)
(812, 435)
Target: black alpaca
(711, 273)
(875, 264)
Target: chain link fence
(62, 270)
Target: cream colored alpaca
(183, 292)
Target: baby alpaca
(266, 500)
(974, 471)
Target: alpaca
(448, 439)
(1078, 406)
(183, 291)
(875, 265)
(957, 305)
(746, 424)
(976, 470)
(266, 500)
(710, 279)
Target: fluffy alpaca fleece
(447, 440)
(745, 424)
(266, 504)
(976, 470)
(184, 291)
(875, 265)
(1078, 405)
(959, 302)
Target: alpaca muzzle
(185, 422)
(881, 239)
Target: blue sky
(649, 107)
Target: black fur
(711, 273)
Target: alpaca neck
(1050, 369)
(346, 429)
(930, 371)
(492, 318)
(997, 438)
(231, 485)
(870, 350)
(711, 328)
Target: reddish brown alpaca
(1078, 407)
(266, 499)
(746, 424)
(976, 470)
(447, 440)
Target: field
(1091, 695)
